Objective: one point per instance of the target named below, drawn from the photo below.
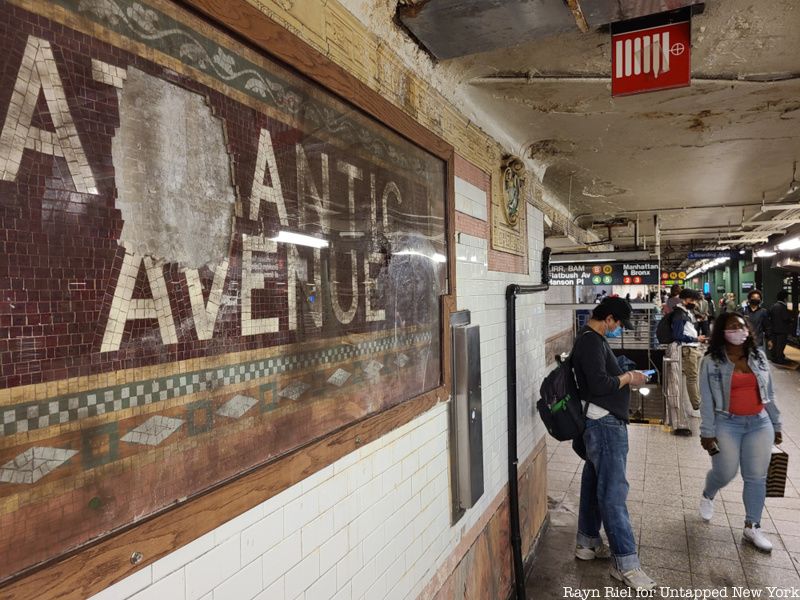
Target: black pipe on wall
(512, 291)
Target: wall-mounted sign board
(608, 273)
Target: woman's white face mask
(737, 337)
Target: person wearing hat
(684, 332)
(605, 389)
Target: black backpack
(664, 329)
(559, 403)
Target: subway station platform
(677, 548)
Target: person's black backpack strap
(559, 403)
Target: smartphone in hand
(650, 373)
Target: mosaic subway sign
(206, 262)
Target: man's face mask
(755, 301)
(615, 332)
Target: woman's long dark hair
(716, 345)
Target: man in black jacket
(780, 326)
(604, 488)
(758, 317)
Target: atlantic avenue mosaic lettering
(206, 262)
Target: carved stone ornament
(514, 179)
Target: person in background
(780, 326)
(758, 317)
(685, 335)
(739, 420)
(701, 312)
(712, 310)
(674, 300)
(604, 488)
(730, 303)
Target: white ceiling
(706, 153)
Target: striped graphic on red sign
(651, 59)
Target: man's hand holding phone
(638, 378)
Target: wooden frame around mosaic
(99, 564)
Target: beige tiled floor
(666, 475)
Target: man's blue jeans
(604, 491)
(745, 441)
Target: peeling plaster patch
(792, 108)
(697, 124)
(545, 150)
(175, 195)
(602, 189)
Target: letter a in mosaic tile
(262, 192)
(125, 308)
(38, 73)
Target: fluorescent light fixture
(298, 239)
(633, 255)
(742, 251)
(764, 253)
(792, 244)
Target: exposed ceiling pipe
(667, 209)
(657, 235)
(778, 78)
(772, 222)
(767, 207)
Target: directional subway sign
(608, 273)
(652, 53)
(703, 254)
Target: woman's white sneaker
(755, 536)
(706, 508)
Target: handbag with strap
(776, 475)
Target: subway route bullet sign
(652, 53)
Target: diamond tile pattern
(153, 431)
(294, 390)
(339, 377)
(33, 464)
(63, 409)
(237, 406)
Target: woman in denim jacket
(739, 422)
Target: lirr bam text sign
(610, 273)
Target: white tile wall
(559, 320)
(470, 199)
(375, 524)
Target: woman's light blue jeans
(744, 441)
(604, 491)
